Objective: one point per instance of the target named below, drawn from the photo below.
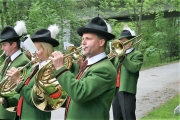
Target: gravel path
(156, 86)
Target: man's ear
(102, 42)
(14, 44)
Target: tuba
(47, 93)
(7, 87)
(119, 49)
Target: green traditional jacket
(92, 94)
(20, 61)
(29, 110)
(130, 67)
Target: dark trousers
(124, 106)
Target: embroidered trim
(61, 73)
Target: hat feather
(54, 29)
(126, 27)
(109, 29)
(20, 27)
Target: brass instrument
(118, 47)
(7, 87)
(2, 54)
(47, 93)
(74, 54)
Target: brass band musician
(10, 42)
(44, 40)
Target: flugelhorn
(73, 55)
(118, 47)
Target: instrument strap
(20, 102)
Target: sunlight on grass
(165, 111)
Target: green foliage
(151, 57)
(165, 111)
(160, 35)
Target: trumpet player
(92, 90)
(10, 44)
(44, 40)
(128, 67)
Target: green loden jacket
(92, 94)
(20, 61)
(29, 110)
(130, 67)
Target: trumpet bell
(118, 48)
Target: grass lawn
(165, 111)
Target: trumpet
(118, 48)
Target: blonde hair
(48, 49)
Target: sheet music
(29, 45)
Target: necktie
(118, 78)
(8, 60)
(81, 70)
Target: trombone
(118, 47)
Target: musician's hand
(80, 61)
(57, 59)
(14, 75)
(1, 100)
(111, 52)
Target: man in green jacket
(10, 42)
(92, 91)
(128, 67)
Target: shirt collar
(96, 58)
(42, 63)
(15, 55)
(129, 50)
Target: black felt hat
(45, 35)
(99, 26)
(127, 33)
(10, 33)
